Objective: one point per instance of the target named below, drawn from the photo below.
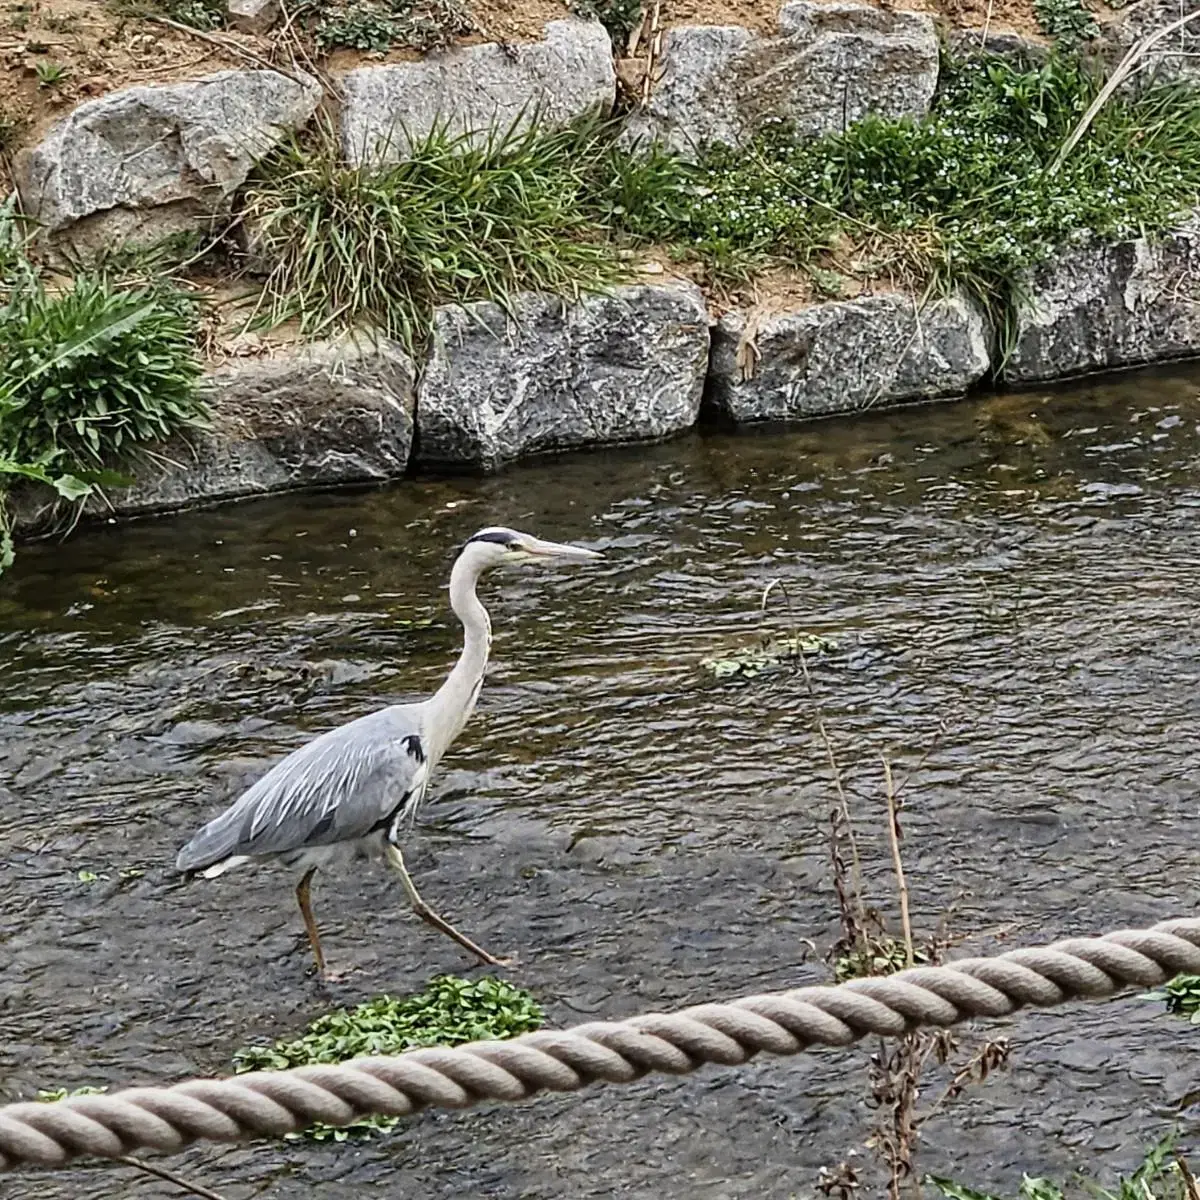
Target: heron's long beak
(559, 551)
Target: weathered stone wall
(499, 384)
(844, 356)
(1104, 306)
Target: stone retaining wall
(634, 364)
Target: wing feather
(336, 788)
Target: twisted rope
(272, 1103)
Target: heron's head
(500, 547)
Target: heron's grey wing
(336, 788)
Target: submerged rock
(831, 65)
(145, 162)
(845, 355)
(474, 89)
(308, 416)
(1102, 306)
(623, 367)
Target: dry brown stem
(196, 1189)
(893, 807)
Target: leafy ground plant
(1068, 22)
(448, 1012)
(1162, 1175)
(455, 220)
(376, 26)
(204, 15)
(89, 373)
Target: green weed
(1068, 22)
(52, 1094)
(769, 653)
(1162, 1175)
(375, 26)
(50, 74)
(452, 222)
(95, 371)
(448, 1012)
(204, 15)
(881, 955)
(619, 17)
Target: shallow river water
(1011, 583)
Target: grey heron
(346, 794)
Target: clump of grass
(94, 371)
(1162, 1175)
(448, 1012)
(86, 374)
(963, 198)
(1068, 22)
(454, 221)
(376, 26)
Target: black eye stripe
(500, 539)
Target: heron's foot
(328, 977)
(490, 960)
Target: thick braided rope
(272, 1103)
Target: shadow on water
(1017, 572)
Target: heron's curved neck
(454, 701)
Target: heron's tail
(212, 847)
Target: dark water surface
(1011, 581)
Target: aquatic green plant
(748, 661)
(51, 1094)
(879, 955)
(1182, 996)
(448, 1012)
(1162, 1175)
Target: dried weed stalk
(867, 947)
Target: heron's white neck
(452, 704)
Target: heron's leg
(310, 924)
(396, 859)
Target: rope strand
(272, 1103)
